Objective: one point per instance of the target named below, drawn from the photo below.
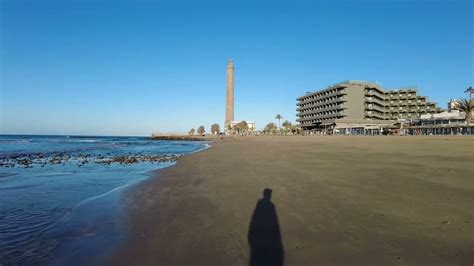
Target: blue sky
(110, 68)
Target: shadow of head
(267, 194)
(264, 235)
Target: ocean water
(60, 195)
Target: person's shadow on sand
(264, 235)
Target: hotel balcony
(321, 103)
(375, 100)
(375, 94)
(322, 116)
(374, 114)
(320, 95)
(375, 107)
(313, 110)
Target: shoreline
(93, 225)
(119, 193)
(108, 204)
(387, 211)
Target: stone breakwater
(184, 137)
(41, 159)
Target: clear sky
(132, 68)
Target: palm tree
(242, 127)
(201, 130)
(215, 128)
(191, 132)
(279, 117)
(470, 90)
(287, 125)
(467, 107)
(270, 128)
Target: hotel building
(359, 106)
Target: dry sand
(338, 201)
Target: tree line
(285, 128)
(215, 129)
(242, 128)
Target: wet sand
(334, 200)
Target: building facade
(360, 104)
(452, 122)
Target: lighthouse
(229, 101)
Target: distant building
(359, 107)
(445, 123)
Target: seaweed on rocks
(83, 159)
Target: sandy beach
(331, 201)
